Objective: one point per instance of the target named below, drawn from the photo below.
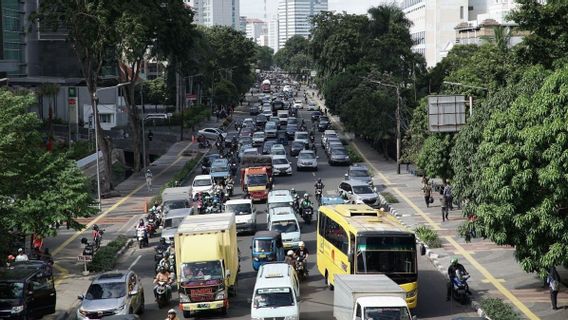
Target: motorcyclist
(165, 261)
(22, 256)
(163, 275)
(97, 234)
(172, 315)
(306, 203)
(319, 185)
(290, 258)
(302, 251)
(454, 266)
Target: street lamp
(470, 97)
(397, 116)
(96, 119)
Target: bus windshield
(257, 180)
(386, 254)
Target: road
(317, 300)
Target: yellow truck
(207, 262)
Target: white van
(283, 117)
(279, 198)
(245, 214)
(276, 293)
(289, 228)
(279, 211)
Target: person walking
(148, 176)
(444, 205)
(448, 195)
(427, 190)
(553, 280)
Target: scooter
(460, 288)
(150, 228)
(229, 187)
(142, 237)
(163, 294)
(301, 269)
(307, 214)
(318, 195)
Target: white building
(273, 33)
(294, 18)
(216, 12)
(255, 29)
(434, 22)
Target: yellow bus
(357, 239)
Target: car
(315, 116)
(312, 106)
(329, 141)
(245, 214)
(220, 169)
(260, 120)
(245, 140)
(307, 159)
(202, 183)
(207, 161)
(270, 129)
(302, 136)
(298, 105)
(291, 130)
(323, 124)
(268, 146)
(358, 192)
(281, 165)
(339, 156)
(251, 152)
(258, 139)
(293, 120)
(112, 293)
(254, 110)
(267, 112)
(172, 220)
(276, 293)
(332, 144)
(279, 211)
(296, 147)
(282, 138)
(278, 150)
(289, 227)
(283, 117)
(248, 122)
(328, 134)
(243, 148)
(246, 132)
(212, 133)
(359, 172)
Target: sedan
(254, 110)
(260, 120)
(270, 129)
(212, 133)
(359, 172)
(278, 150)
(315, 116)
(307, 159)
(296, 147)
(243, 148)
(323, 124)
(258, 139)
(312, 106)
(246, 132)
(338, 156)
(358, 192)
(291, 130)
(268, 146)
(281, 165)
(250, 152)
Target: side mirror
(250, 247)
(81, 297)
(350, 192)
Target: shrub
(428, 236)
(389, 197)
(497, 309)
(105, 258)
(354, 155)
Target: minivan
(245, 214)
(279, 198)
(276, 293)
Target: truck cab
(369, 308)
(256, 182)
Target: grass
(389, 197)
(428, 236)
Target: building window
(106, 117)
(461, 12)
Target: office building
(216, 12)
(255, 29)
(273, 33)
(294, 18)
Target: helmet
(162, 269)
(306, 195)
(162, 240)
(290, 253)
(302, 244)
(293, 190)
(147, 170)
(172, 311)
(95, 227)
(20, 250)
(454, 260)
(166, 254)
(319, 180)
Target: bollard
(145, 206)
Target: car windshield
(292, 121)
(358, 173)
(386, 254)
(258, 135)
(273, 298)
(301, 136)
(297, 145)
(257, 180)
(205, 270)
(175, 204)
(279, 161)
(285, 226)
(108, 290)
(307, 156)
(262, 245)
(11, 290)
(270, 126)
(238, 208)
(173, 222)
(278, 152)
(251, 152)
(386, 313)
(362, 190)
(338, 151)
(202, 183)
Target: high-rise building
(216, 12)
(273, 33)
(294, 18)
(255, 29)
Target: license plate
(287, 245)
(203, 305)
(262, 256)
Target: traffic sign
(84, 258)
(192, 97)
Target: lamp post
(470, 97)
(96, 121)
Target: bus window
(335, 234)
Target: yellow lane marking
(64, 271)
(491, 279)
(63, 274)
(435, 226)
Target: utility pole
(143, 131)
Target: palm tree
(501, 38)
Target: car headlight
(289, 169)
(249, 221)
(17, 309)
(184, 298)
(291, 318)
(220, 295)
(411, 294)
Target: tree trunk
(105, 147)
(134, 124)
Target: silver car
(307, 159)
(112, 293)
(357, 192)
(359, 172)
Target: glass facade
(13, 45)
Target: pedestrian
(148, 176)
(553, 280)
(217, 114)
(427, 190)
(444, 205)
(22, 256)
(448, 195)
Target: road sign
(84, 258)
(446, 113)
(191, 97)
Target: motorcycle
(204, 144)
(151, 228)
(163, 294)
(318, 195)
(301, 269)
(460, 288)
(229, 187)
(307, 214)
(160, 250)
(89, 249)
(312, 139)
(142, 237)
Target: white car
(270, 129)
(276, 293)
(302, 136)
(202, 183)
(307, 159)
(248, 122)
(312, 106)
(245, 214)
(289, 228)
(250, 152)
(281, 166)
(212, 133)
(258, 139)
(278, 150)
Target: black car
(260, 121)
(323, 125)
(291, 130)
(316, 115)
(267, 146)
(296, 147)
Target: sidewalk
(494, 270)
(117, 217)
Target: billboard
(446, 113)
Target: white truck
(367, 297)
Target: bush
(389, 197)
(179, 177)
(105, 258)
(428, 236)
(354, 155)
(498, 310)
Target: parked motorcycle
(163, 294)
(460, 288)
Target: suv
(114, 292)
(357, 192)
(359, 172)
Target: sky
(255, 8)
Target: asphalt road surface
(317, 300)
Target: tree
(37, 188)
(294, 55)
(417, 134)
(225, 93)
(263, 57)
(434, 157)
(456, 58)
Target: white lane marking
(134, 262)
(313, 174)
